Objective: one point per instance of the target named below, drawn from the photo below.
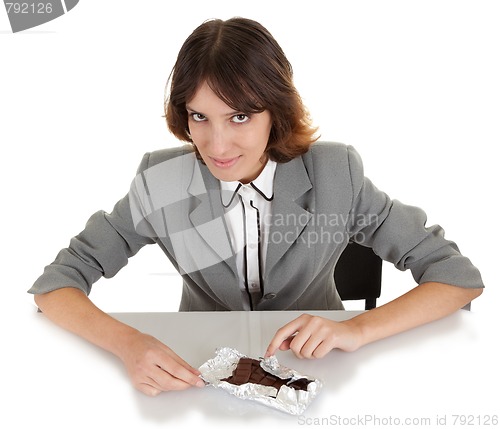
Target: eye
(240, 118)
(198, 117)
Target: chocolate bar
(248, 378)
(248, 370)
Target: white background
(413, 86)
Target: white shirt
(248, 217)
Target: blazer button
(269, 296)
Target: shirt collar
(263, 184)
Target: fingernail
(200, 383)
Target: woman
(254, 213)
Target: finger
(314, 340)
(164, 381)
(285, 345)
(147, 389)
(299, 342)
(308, 348)
(279, 341)
(180, 372)
(283, 334)
(323, 349)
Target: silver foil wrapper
(287, 399)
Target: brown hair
(247, 69)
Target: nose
(219, 140)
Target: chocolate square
(249, 371)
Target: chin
(225, 177)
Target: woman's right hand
(153, 367)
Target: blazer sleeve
(100, 250)
(398, 233)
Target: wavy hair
(247, 69)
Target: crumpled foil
(287, 399)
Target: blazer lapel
(214, 249)
(207, 218)
(289, 216)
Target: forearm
(423, 304)
(71, 309)
(152, 366)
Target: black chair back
(358, 275)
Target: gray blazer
(321, 201)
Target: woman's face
(231, 143)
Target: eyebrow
(232, 113)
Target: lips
(225, 162)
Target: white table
(446, 368)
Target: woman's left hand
(313, 337)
